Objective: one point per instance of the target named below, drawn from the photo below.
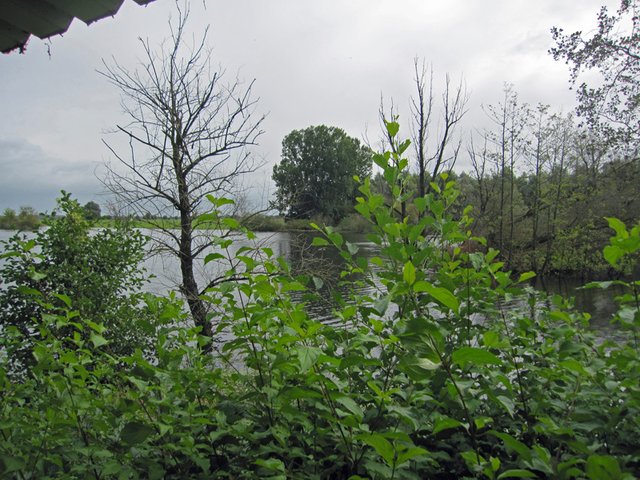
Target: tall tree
(315, 175)
(510, 117)
(613, 51)
(188, 132)
(444, 149)
(92, 210)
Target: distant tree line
(28, 219)
(541, 186)
(25, 219)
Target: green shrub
(66, 266)
(431, 375)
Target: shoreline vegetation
(440, 360)
(595, 269)
(254, 222)
(102, 381)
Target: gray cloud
(31, 177)
(314, 62)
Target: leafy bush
(432, 375)
(67, 266)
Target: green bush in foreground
(94, 275)
(430, 376)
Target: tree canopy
(613, 50)
(315, 175)
(92, 210)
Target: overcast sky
(314, 62)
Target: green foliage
(91, 210)
(622, 255)
(315, 176)
(548, 218)
(448, 368)
(26, 219)
(613, 50)
(65, 266)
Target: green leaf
(475, 356)
(507, 403)
(477, 260)
(300, 392)
(490, 339)
(481, 422)
(37, 276)
(412, 452)
(618, 226)
(381, 160)
(381, 445)
(10, 464)
(603, 467)
(213, 256)
(472, 459)
(427, 364)
(274, 464)
(409, 273)
(134, 433)
(574, 366)
(381, 304)
(403, 146)
(420, 203)
(439, 294)
(352, 248)
(29, 291)
(64, 298)
(446, 423)
(517, 473)
(612, 253)
(98, 340)
(376, 389)
(392, 128)
(351, 405)
(307, 356)
(219, 202)
(231, 223)
(317, 282)
(319, 242)
(526, 276)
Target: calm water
(296, 248)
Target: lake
(296, 249)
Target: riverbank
(255, 223)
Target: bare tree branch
(189, 134)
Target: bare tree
(480, 160)
(453, 109)
(188, 134)
(444, 150)
(510, 116)
(421, 108)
